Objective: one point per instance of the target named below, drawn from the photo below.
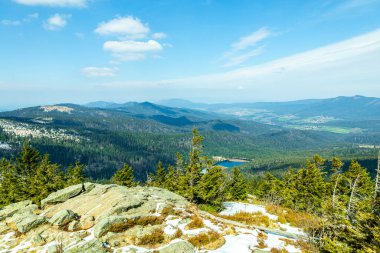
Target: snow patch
(232, 208)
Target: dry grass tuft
(256, 218)
(275, 250)
(178, 233)
(297, 219)
(152, 239)
(196, 222)
(208, 240)
(306, 246)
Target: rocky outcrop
(178, 247)
(62, 218)
(67, 193)
(101, 218)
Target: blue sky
(55, 51)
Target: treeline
(345, 202)
(197, 180)
(33, 176)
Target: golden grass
(152, 239)
(256, 218)
(143, 221)
(306, 247)
(275, 250)
(196, 222)
(297, 219)
(208, 240)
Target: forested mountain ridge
(144, 133)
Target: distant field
(331, 129)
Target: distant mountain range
(103, 135)
(347, 108)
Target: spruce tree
(194, 168)
(75, 174)
(160, 175)
(211, 187)
(238, 186)
(124, 176)
(48, 178)
(171, 179)
(10, 191)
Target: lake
(229, 164)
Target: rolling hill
(104, 135)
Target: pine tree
(10, 191)
(124, 176)
(194, 169)
(160, 175)
(75, 174)
(47, 179)
(336, 176)
(171, 179)
(26, 165)
(238, 186)
(270, 189)
(27, 160)
(360, 189)
(211, 187)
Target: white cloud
(99, 72)
(31, 17)
(10, 22)
(130, 46)
(159, 35)
(128, 27)
(345, 68)
(54, 3)
(252, 39)
(130, 50)
(27, 19)
(56, 22)
(241, 51)
(240, 58)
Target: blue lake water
(229, 164)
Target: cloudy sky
(55, 51)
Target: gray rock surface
(178, 247)
(88, 221)
(29, 222)
(65, 194)
(10, 210)
(110, 224)
(62, 218)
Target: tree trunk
(352, 197)
(334, 193)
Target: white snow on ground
(242, 243)
(235, 207)
(20, 247)
(170, 230)
(212, 226)
(232, 208)
(133, 249)
(273, 241)
(291, 229)
(174, 222)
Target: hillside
(104, 136)
(140, 219)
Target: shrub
(275, 250)
(297, 219)
(204, 239)
(156, 237)
(196, 222)
(256, 218)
